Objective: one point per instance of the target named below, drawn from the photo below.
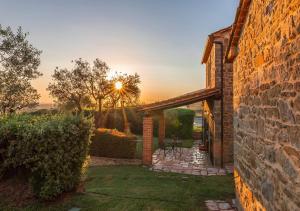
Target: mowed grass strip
(137, 188)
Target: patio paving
(191, 161)
(218, 205)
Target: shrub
(44, 111)
(135, 118)
(50, 149)
(179, 122)
(112, 143)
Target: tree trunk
(126, 123)
(98, 117)
(104, 118)
(79, 108)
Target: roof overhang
(237, 28)
(186, 99)
(210, 41)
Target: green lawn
(197, 128)
(137, 188)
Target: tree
(19, 62)
(128, 92)
(86, 86)
(98, 87)
(68, 88)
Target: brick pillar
(147, 140)
(217, 151)
(161, 129)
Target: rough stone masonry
(266, 92)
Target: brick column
(161, 129)
(147, 140)
(217, 154)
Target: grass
(137, 188)
(186, 143)
(197, 128)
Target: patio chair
(177, 145)
(162, 146)
(167, 146)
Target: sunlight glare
(118, 85)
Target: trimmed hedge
(112, 143)
(49, 150)
(135, 118)
(179, 122)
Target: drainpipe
(222, 103)
(203, 128)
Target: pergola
(157, 108)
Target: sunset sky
(161, 40)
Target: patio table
(173, 145)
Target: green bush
(44, 111)
(51, 150)
(112, 143)
(179, 122)
(135, 118)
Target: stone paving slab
(190, 161)
(218, 205)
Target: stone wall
(228, 113)
(211, 70)
(213, 107)
(212, 131)
(267, 107)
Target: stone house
(217, 104)
(264, 48)
(251, 101)
(216, 99)
(218, 125)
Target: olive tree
(89, 86)
(19, 62)
(68, 89)
(98, 87)
(126, 93)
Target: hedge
(112, 143)
(135, 118)
(49, 150)
(179, 122)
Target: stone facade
(228, 113)
(212, 132)
(220, 153)
(266, 86)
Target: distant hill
(40, 106)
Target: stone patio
(189, 161)
(218, 205)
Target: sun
(118, 85)
(111, 74)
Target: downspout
(222, 104)
(203, 127)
